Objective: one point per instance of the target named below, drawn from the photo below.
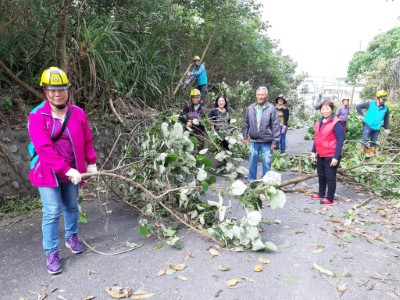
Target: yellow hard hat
(381, 93)
(194, 93)
(196, 57)
(54, 78)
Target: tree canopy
(138, 49)
(379, 65)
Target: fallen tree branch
(110, 254)
(115, 111)
(13, 77)
(297, 179)
(363, 203)
(155, 197)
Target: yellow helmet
(54, 78)
(381, 93)
(196, 57)
(194, 93)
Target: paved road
(306, 233)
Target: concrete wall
(14, 157)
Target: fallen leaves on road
(213, 252)
(180, 277)
(190, 255)
(178, 267)
(318, 248)
(223, 268)
(233, 282)
(119, 292)
(258, 268)
(322, 270)
(263, 260)
(342, 288)
(139, 295)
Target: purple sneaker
(74, 244)
(53, 263)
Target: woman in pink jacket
(61, 149)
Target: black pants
(326, 177)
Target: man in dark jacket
(261, 125)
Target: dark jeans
(326, 177)
(225, 144)
(368, 134)
(203, 91)
(282, 141)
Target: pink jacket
(48, 162)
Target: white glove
(91, 168)
(387, 131)
(196, 122)
(74, 176)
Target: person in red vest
(329, 132)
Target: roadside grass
(19, 206)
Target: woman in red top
(328, 143)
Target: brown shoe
(372, 150)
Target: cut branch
(157, 198)
(13, 77)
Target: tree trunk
(63, 36)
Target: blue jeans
(282, 141)
(54, 201)
(369, 134)
(266, 159)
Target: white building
(315, 89)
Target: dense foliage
(378, 67)
(137, 51)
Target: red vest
(325, 139)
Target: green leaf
(159, 245)
(171, 158)
(270, 246)
(83, 218)
(201, 175)
(204, 186)
(170, 271)
(143, 230)
(238, 188)
(174, 225)
(254, 218)
(212, 180)
(350, 238)
(322, 270)
(258, 245)
(277, 200)
(169, 232)
(179, 246)
(131, 245)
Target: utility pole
(355, 81)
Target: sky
(322, 35)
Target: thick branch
(297, 179)
(157, 198)
(13, 77)
(63, 35)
